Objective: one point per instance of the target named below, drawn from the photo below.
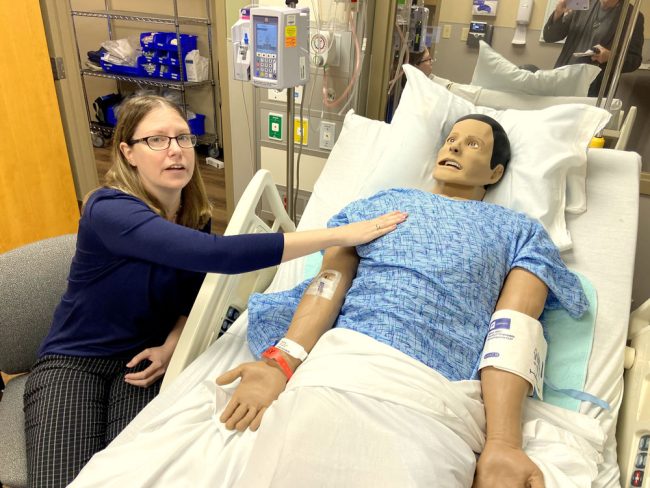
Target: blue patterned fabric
(430, 287)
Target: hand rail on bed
(223, 297)
(633, 430)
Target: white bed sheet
(605, 240)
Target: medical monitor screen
(266, 34)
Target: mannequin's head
(473, 156)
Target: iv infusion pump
(278, 45)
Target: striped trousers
(75, 406)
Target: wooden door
(37, 196)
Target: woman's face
(426, 65)
(163, 173)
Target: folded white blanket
(356, 413)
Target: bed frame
(213, 313)
(633, 428)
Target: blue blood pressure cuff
(515, 343)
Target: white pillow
(494, 71)
(576, 196)
(353, 157)
(545, 145)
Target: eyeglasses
(160, 143)
(426, 60)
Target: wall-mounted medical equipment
(279, 47)
(524, 12)
(479, 31)
(240, 34)
(417, 28)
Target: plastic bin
(148, 67)
(168, 58)
(171, 73)
(111, 115)
(119, 69)
(147, 40)
(168, 42)
(197, 124)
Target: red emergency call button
(637, 478)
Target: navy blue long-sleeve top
(135, 273)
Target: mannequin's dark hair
(501, 146)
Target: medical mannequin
(468, 162)
(589, 29)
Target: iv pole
(291, 111)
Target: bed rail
(633, 431)
(223, 297)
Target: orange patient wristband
(275, 354)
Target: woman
(143, 247)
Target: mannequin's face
(464, 158)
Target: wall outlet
(327, 135)
(281, 95)
(446, 31)
(464, 33)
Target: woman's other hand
(261, 384)
(159, 358)
(369, 230)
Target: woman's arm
(558, 24)
(263, 381)
(503, 462)
(128, 228)
(298, 244)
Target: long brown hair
(195, 210)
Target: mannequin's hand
(602, 55)
(505, 466)
(261, 384)
(369, 230)
(159, 358)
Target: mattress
(604, 246)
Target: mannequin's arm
(263, 381)
(503, 462)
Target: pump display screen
(266, 47)
(266, 34)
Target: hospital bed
(604, 242)
(604, 248)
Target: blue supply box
(159, 57)
(197, 125)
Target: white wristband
(292, 348)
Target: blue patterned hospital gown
(430, 287)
